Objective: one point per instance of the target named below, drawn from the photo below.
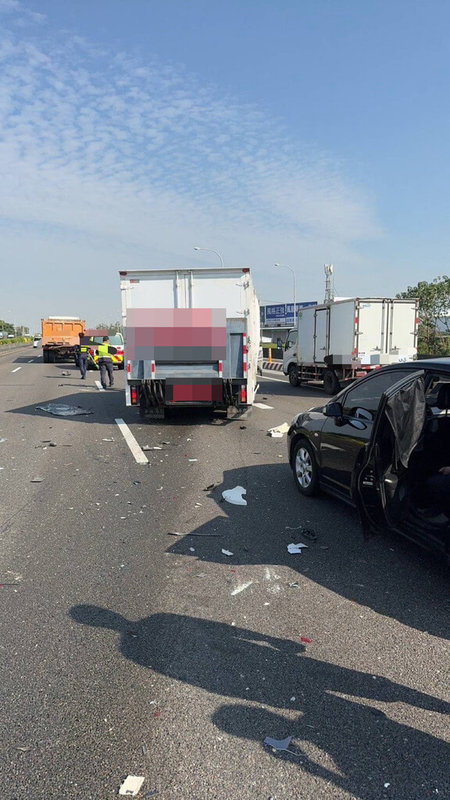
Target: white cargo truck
(336, 342)
(191, 339)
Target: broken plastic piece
(234, 496)
(65, 374)
(241, 587)
(305, 640)
(296, 548)
(61, 410)
(193, 459)
(132, 785)
(3, 440)
(278, 744)
(277, 433)
(227, 552)
(36, 480)
(262, 405)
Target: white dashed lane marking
(139, 456)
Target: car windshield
(114, 340)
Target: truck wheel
(330, 382)
(304, 468)
(51, 356)
(45, 356)
(293, 375)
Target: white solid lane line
(271, 378)
(131, 442)
(99, 386)
(16, 369)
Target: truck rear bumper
(187, 392)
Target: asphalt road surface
(130, 651)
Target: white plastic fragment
(3, 440)
(227, 552)
(278, 744)
(296, 548)
(241, 587)
(234, 496)
(131, 785)
(277, 433)
(262, 405)
(192, 459)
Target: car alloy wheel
(305, 468)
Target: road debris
(234, 496)
(3, 440)
(241, 587)
(62, 410)
(262, 405)
(277, 433)
(295, 548)
(305, 640)
(36, 480)
(227, 552)
(280, 744)
(192, 460)
(208, 488)
(294, 585)
(65, 374)
(108, 440)
(144, 749)
(131, 786)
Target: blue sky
(303, 132)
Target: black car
(376, 445)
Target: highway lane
(129, 650)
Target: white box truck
(336, 342)
(191, 339)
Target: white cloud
(104, 153)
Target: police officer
(104, 352)
(83, 354)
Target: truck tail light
(128, 367)
(153, 368)
(220, 369)
(134, 395)
(243, 393)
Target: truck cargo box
(191, 337)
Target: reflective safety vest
(106, 351)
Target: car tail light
(134, 395)
(243, 393)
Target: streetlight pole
(295, 285)
(208, 250)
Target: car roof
(427, 363)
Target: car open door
(382, 480)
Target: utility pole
(329, 286)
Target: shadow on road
(392, 576)
(348, 741)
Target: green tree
(434, 315)
(111, 327)
(6, 327)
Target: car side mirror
(333, 409)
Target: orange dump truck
(60, 337)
